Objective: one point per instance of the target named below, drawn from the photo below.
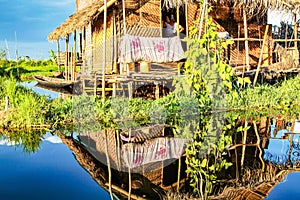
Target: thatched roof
(264, 5)
(77, 21)
(81, 18)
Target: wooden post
(67, 59)
(71, 64)
(186, 20)
(58, 55)
(114, 90)
(124, 17)
(115, 51)
(178, 35)
(161, 20)
(286, 34)
(178, 174)
(246, 40)
(104, 49)
(157, 91)
(84, 50)
(296, 37)
(124, 32)
(261, 54)
(74, 57)
(130, 92)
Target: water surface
(51, 172)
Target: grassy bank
(25, 68)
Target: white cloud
(54, 139)
(6, 142)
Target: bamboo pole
(129, 169)
(202, 18)
(71, 64)
(108, 165)
(178, 35)
(296, 37)
(186, 20)
(124, 31)
(161, 20)
(295, 30)
(83, 57)
(261, 55)
(84, 50)
(178, 174)
(104, 49)
(58, 55)
(286, 34)
(244, 145)
(115, 69)
(246, 41)
(67, 58)
(75, 56)
(258, 146)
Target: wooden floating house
(104, 34)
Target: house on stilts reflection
(121, 45)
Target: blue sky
(29, 22)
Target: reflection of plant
(204, 155)
(28, 139)
(211, 80)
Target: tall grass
(26, 108)
(280, 96)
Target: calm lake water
(50, 173)
(270, 168)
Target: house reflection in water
(149, 162)
(283, 145)
(146, 164)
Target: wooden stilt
(186, 21)
(178, 175)
(296, 37)
(104, 49)
(114, 90)
(130, 93)
(67, 59)
(246, 40)
(261, 55)
(157, 91)
(115, 51)
(58, 55)
(74, 56)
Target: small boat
(53, 82)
